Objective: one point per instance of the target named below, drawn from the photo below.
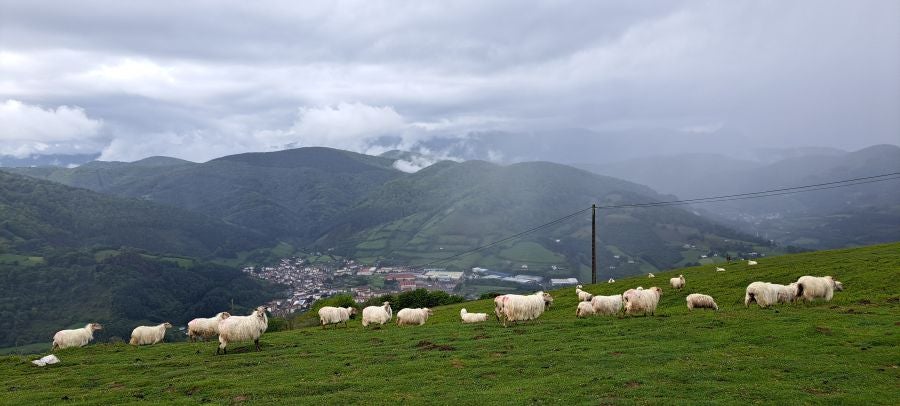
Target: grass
(840, 352)
(23, 260)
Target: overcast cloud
(197, 80)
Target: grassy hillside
(844, 351)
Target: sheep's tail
(799, 291)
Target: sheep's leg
(256, 341)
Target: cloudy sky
(197, 80)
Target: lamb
(677, 283)
(78, 337)
(607, 305)
(720, 269)
(377, 314)
(651, 275)
(335, 315)
(472, 317)
(700, 301)
(205, 328)
(521, 307)
(810, 288)
(243, 328)
(766, 294)
(413, 317)
(584, 309)
(611, 280)
(582, 295)
(751, 262)
(149, 335)
(641, 301)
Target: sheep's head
(430, 312)
(462, 311)
(96, 326)
(261, 311)
(548, 300)
(223, 315)
(352, 310)
(578, 287)
(386, 304)
(838, 286)
(167, 324)
(657, 290)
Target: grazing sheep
(335, 315)
(584, 309)
(641, 301)
(377, 314)
(582, 295)
(810, 288)
(751, 262)
(700, 301)
(720, 269)
(611, 280)
(607, 305)
(148, 335)
(413, 317)
(243, 328)
(521, 307)
(650, 275)
(766, 294)
(788, 293)
(677, 283)
(78, 337)
(205, 328)
(472, 317)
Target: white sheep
(78, 337)
(335, 315)
(700, 301)
(582, 295)
(751, 262)
(788, 293)
(641, 301)
(243, 328)
(472, 317)
(611, 280)
(813, 287)
(651, 275)
(607, 305)
(377, 314)
(512, 307)
(584, 309)
(148, 335)
(677, 283)
(766, 294)
(720, 269)
(205, 328)
(413, 317)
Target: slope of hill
(452, 207)
(41, 216)
(841, 352)
(821, 219)
(290, 195)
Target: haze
(501, 80)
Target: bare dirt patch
(426, 345)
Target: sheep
(611, 280)
(413, 317)
(584, 309)
(335, 315)
(810, 288)
(607, 305)
(641, 301)
(651, 275)
(521, 307)
(377, 314)
(766, 294)
(472, 317)
(582, 295)
(788, 293)
(677, 283)
(205, 328)
(700, 301)
(751, 262)
(243, 328)
(78, 337)
(148, 335)
(720, 269)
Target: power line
(711, 199)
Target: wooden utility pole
(593, 243)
